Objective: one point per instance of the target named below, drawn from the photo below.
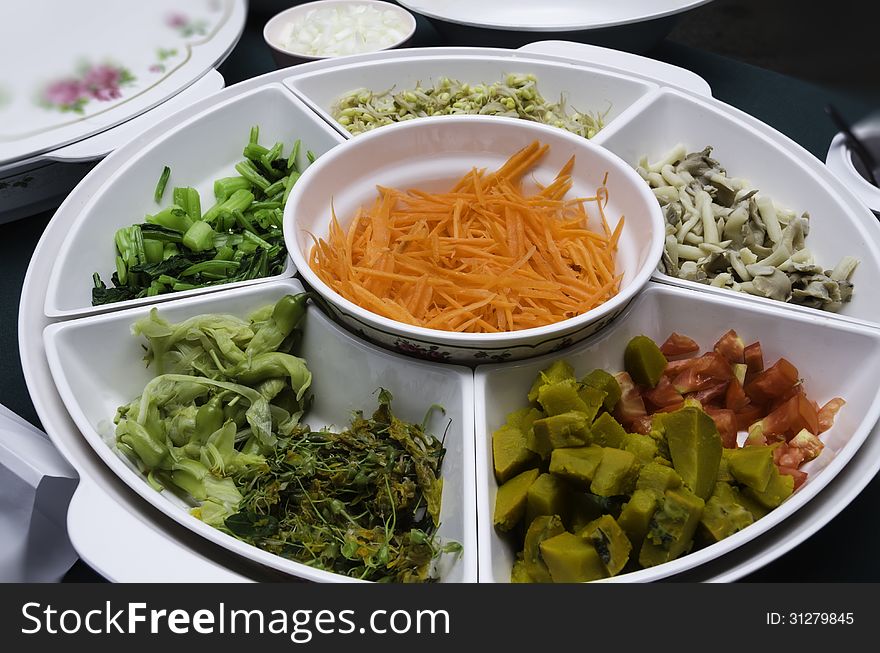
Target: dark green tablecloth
(793, 107)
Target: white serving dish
(274, 30)
(98, 365)
(841, 161)
(635, 25)
(103, 498)
(198, 151)
(41, 182)
(433, 154)
(808, 341)
(94, 71)
(836, 227)
(586, 89)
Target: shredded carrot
(483, 257)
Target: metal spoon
(854, 143)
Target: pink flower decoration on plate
(176, 20)
(102, 83)
(65, 92)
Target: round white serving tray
(102, 494)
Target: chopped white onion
(343, 29)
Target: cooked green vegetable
(160, 186)
(515, 96)
(220, 423)
(238, 238)
(720, 231)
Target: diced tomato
(725, 422)
(735, 398)
(748, 416)
(731, 346)
(786, 456)
(808, 443)
(789, 418)
(670, 408)
(772, 383)
(703, 372)
(807, 416)
(827, 412)
(712, 393)
(630, 406)
(663, 394)
(641, 424)
(678, 345)
(799, 476)
(674, 368)
(797, 389)
(753, 357)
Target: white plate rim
(438, 13)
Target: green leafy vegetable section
(220, 424)
(237, 238)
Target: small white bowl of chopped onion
(336, 28)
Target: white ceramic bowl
(273, 32)
(198, 151)
(836, 229)
(434, 153)
(583, 88)
(808, 341)
(98, 365)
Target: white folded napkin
(36, 484)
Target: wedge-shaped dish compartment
(585, 89)
(836, 229)
(835, 358)
(198, 151)
(98, 365)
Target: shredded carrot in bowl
(480, 258)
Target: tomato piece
(800, 477)
(772, 383)
(731, 346)
(663, 394)
(630, 406)
(725, 422)
(795, 390)
(670, 408)
(779, 421)
(786, 456)
(748, 416)
(827, 412)
(735, 398)
(703, 372)
(678, 345)
(710, 394)
(806, 415)
(753, 357)
(641, 424)
(674, 368)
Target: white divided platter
(808, 342)
(97, 366)
(836, 228)
(92, 71)
(585, 89)
(198, 151)
(168, 527)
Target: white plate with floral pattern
(83, 67)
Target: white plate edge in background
(443, 13)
